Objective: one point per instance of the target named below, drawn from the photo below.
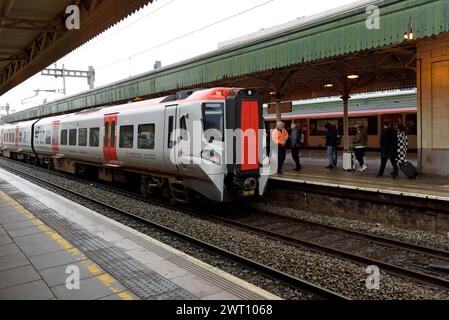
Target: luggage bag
(409, 169)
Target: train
(370, 111)
(178, 145)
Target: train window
(64, 137)
(170, 131)
(72, 137)
(126, 137)
(213, 120)
(145, 136)
(106, 134)
(42, 137)
(82, 137)
(94, 137)
(48, 137)
(183, 127)
(411, 124)
(20, 137)
(112, 142)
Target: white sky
(155, 24)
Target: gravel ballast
(335, 274)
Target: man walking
(332, 145)
(297, 140)
(279, 137)
(388, 146)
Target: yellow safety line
(92, 267)
(358, 181)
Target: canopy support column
(278, 108)
(345, 97)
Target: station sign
(286, 106)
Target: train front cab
(247, 164)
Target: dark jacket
(331, 137)
(297, 138)
(389, 143)
(360, 140)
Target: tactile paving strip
(137, 277)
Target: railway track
(318, 291)
(418, 263)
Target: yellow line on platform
(92, 267)
(358, 182)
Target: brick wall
(433, 105)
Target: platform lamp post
(278, 107)
(345, 97)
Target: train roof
(405, 102)
(213, 94)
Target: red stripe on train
(250, 122)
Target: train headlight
(211, 155)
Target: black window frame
(82, 143)
(64, 137)
(205, 116)
(75, 134)
(139, 145)
(123, 129)
(91, 140)
(171, 127)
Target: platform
(315, 173)
(45, 237)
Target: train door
(392, 118)
(110, 137)
(55, 137)
(16, 138)
(170, 156)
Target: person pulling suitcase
(406, 167)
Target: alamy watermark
(373, 280)
(73, 20)
(72, 282)
(372, 22)
(213, 146)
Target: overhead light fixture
(353, 76)
(408, 35)
(272, 93)
(328, 85)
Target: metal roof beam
(6, 7)
(29, 24)
(54, 40)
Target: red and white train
(142, 140)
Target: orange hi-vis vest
(279, 136)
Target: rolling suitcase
(409, 169)
(348, 160)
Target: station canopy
(328, 54)
(33, 34)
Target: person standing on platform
(279, 137)
(331, 144)
(360, 142)
(297, 140)
(402, 145)
(337, 144)
(389, 150)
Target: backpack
(338, 140)
(301, 139)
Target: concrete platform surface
(314, 172)
(53, 248)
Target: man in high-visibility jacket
(279, 137)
